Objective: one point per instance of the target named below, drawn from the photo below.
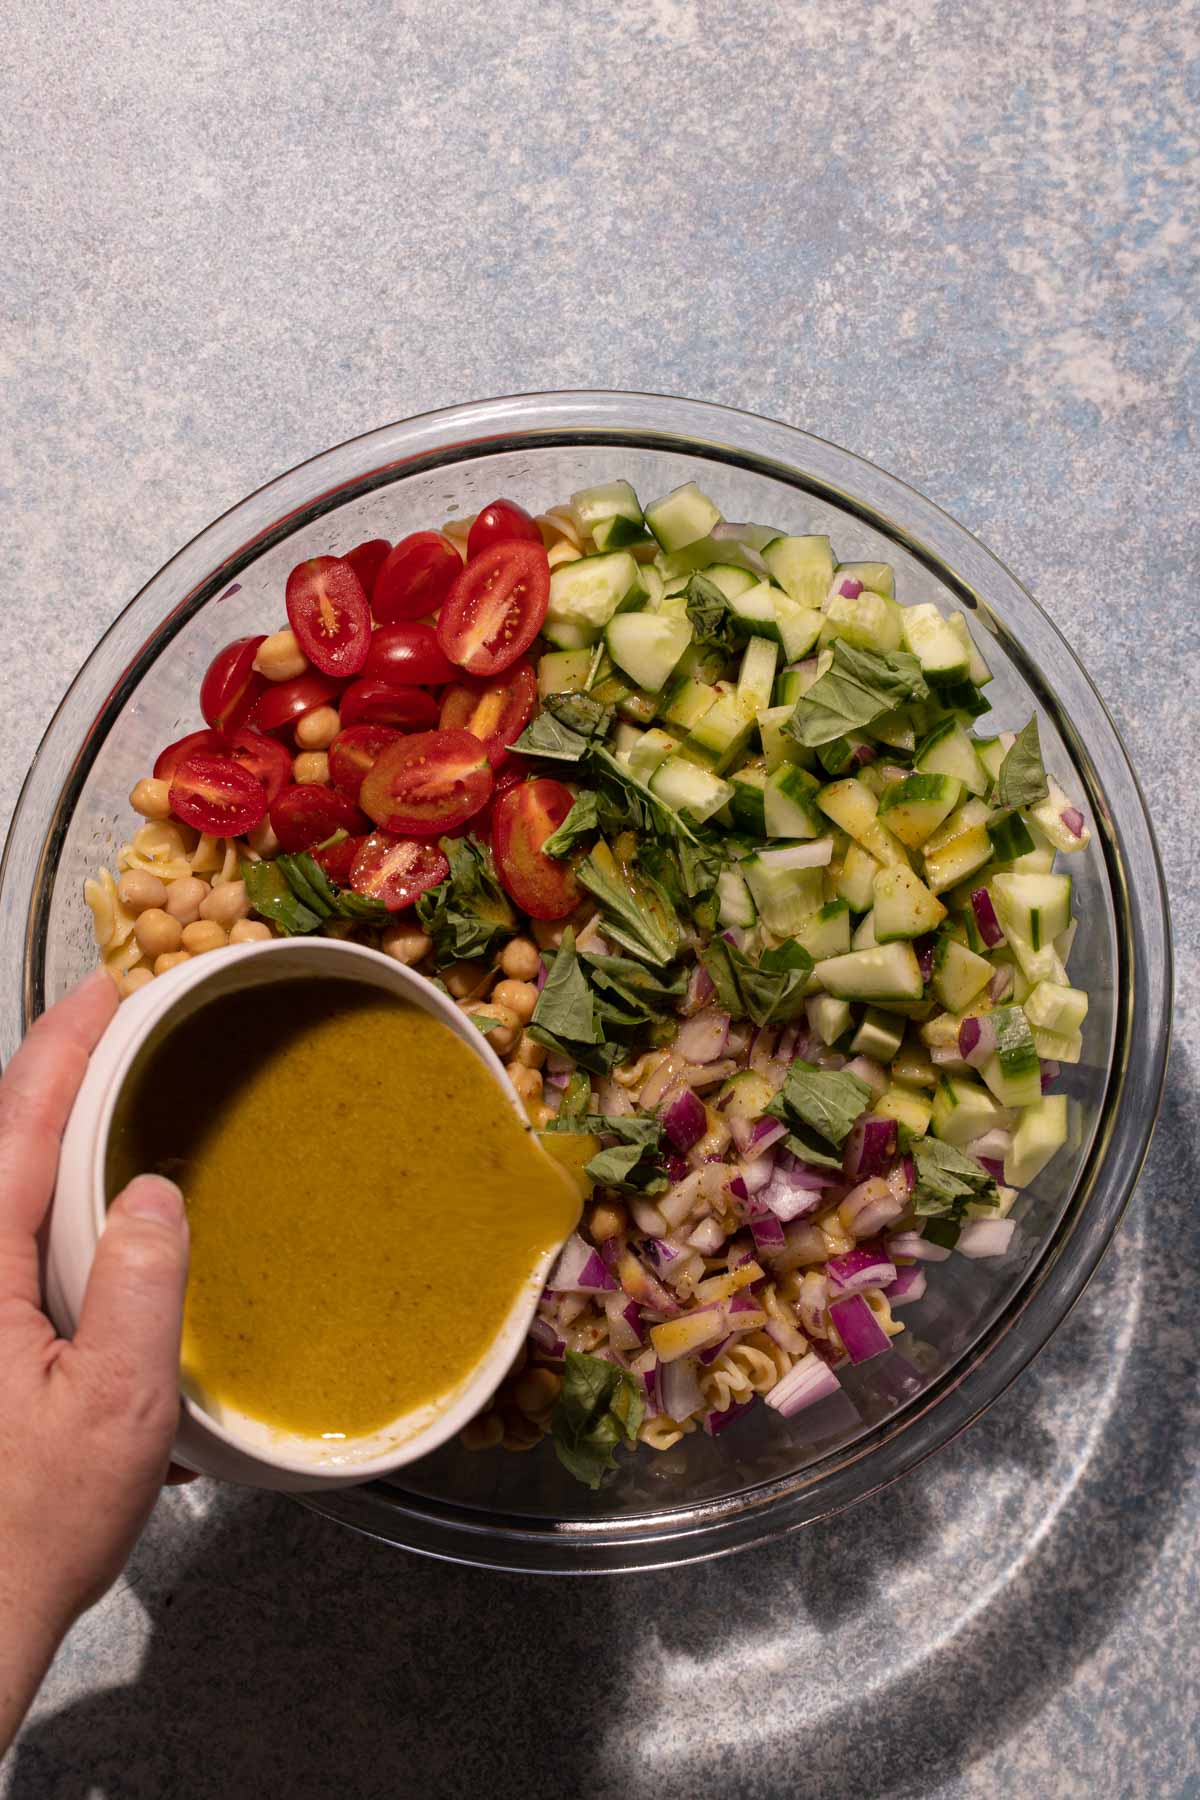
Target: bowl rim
(977, 579)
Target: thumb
(133, 1307)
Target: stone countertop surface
(958, 240)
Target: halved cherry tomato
(286, 701)
(543, 886)
(231, 686)
(427, 783)
(304, 815)
(265, 757)
(407, 652)
(211, 742)
(215, 794)
(495, 608)
(366, 560)
(337, 860)
(374, 702)
(503, 522)
(496, 711)
(416, 577)
(328, 612)
(353, 752)
(395, 870)
(509, 775)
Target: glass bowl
(980, 1322)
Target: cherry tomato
(337, 860)
(211, 742)
(366, 560)
(495, 608)
(407, 652)
(286, 701)
(374, 702)
(395, 870)
(265, 757)
(416, 577)
(304, 815)
(510, 775)
(217, 795)
(496, 711)
(503, 522)
(543, 886)
(353, 752)
(328, 612)
(231, 686)
(428, 783)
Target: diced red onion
(858, 1270)
(768, 1234)
(647, 1217)
(805, 1383)
(805, 1175)
(611, 1250)
(737, 1188)
(700, 1189)
(860, 1331)
(863, 754)
(985, 1237)
(755, 1176)
(986, 923)
(703, 1039)
(715, 1422)
(710, 1353)
(813, 1302)
(851, 588)
(869, 1149)
(1072, 818)
(995, 1143)
(924, 948)
(977, 1041)
(546, 1338)
(646, 1288)
(542, 976)
(649, 1374)
(762, 1048)
(557, 1078)
(558, 1064)
(683, 1117)
(678, 1390)
(911, 1243)
(754, 1137)
(625, 1330)
(707, 1237)
(908, 1286)
(700, 991)
(1000, 983)
(870, 1207)
(868, 1070)
(676, 1165)
(579, 1270)
(736, 936)
(993, 1165)
(901, 1176)
(787, 1044)
(788, 1197)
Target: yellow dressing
(365, 1206)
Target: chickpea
(318, 728)
(529, 1053)
(137, 889)
(311, 768)
(249, 931)
(608, 1219)
(528, 1082)
(537, 1390)
(170, 961)
(226, 904)
(466, 979)
(202, 935)
(520, 997)
(157, 933)
(519, 959)
(280, 657)
(405, 943)
(483, 1433)
(151, 798)
(262, 839)
(185, 898)
(503, 1035)
(133, 979)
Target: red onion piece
(870, 1207)
(1072, 818)
(700, 991)
(804, 1384)
(870, 1148)
(912, 1244)
(977, 1041)
(707, 1237)
(715, 1422)
(860, 1331)
(646, 1216)
(908, 1286)
(710, 1353)
(754, 1137)
(625, 1331)
(756, 1175)
(580, 1270)
(645, 1288)
(986, 923)
(548, 1342)
(924, 949)
(649, 1374)
(873, 1073)
(985, 1237)
(858, 1270)
(1050, 1074)
(678, 1390)
(851, 588)
(683, 1117)
(1000, 984)
(768, 1234)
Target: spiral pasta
(726, 1382)
(661, 1433)
(160, 849)
(112, 922)
(881, 1307)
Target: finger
(129, 1327)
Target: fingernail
(154, 1197)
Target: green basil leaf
(1022, 777)
(600, 1406)
(469, 913)
(274, 899)
(582, 821)
(827, 1101)
(638, 914)
(860, 686)
(768, 992)
(947, 1180)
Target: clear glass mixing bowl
(980, 1322)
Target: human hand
(85, 1426)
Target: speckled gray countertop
(957, 239)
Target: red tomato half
(496, 711)
(328, 612)
(211, 742)
(395, 870)
(286, 701)
(337, 860)
(407, 652)
(416, 577)
(374, 702)
(265, 757)
(231, 687)
(543, 886)
(354, 751)
(215, 794)
(503, 522)
(428, 783)
(305, 814)
(366, 560)
(495, 608)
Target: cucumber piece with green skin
(947, 750)
(566, 636)
(959, 974)
(907, 1105)
(963, 1111)
(1057, 1046)
(957, 859)
(718, 739)
(778, 745)
(745, 1095)
(563, 672)
(854, 807)
(1033, 965)
(1053, 1008)
(625, 739)
(904, 906)
(856, 882)
(964, 697)
(647, 646)
(991, 752)
(682, 517)
(1037, 860)
(650, 752)
(879, 577)
(746, 807)
(1014, 1073)
(693, 792)
(787, 892)
(1041, 1132)
(1038, 907)
(878, 1036)
(619, 534)
(864, 932)
(702, 664)
(940, 652)
(735, 907)
(846, 753)
(655, 586)
(967, 817)
(731, 579)
(638, 706)
(1047, 815)
(753, 611)
(587, 593)
(977, 670)
(1010, 837)
(799, 627)
(828, 932)
(756, 677)
(790, 685)
(802, 566)
(913, 809)
(912, 1066)
(867, 621)
(829, 1017)
(895, 729)
(686, 701)
(884, 972)
(790, 804)
(608, 500)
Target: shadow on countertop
(291, 1659)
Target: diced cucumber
(904, 906)
(610, 500)
(856, 883)
(828, 932)
(718, 738)
(682, 517)
(1058, 1046)
(756, 677)
(879, 577)
(913, 809)
(888, 972)
(878, 1036)
(907, 1105)
(678, 566)
(992, 751)
(619, 534)
(938, 649)
(647, 646)
(587, 593)
(913, 1067)
(1047, 815)
(1053, 1008)
(625, 738)
(1044, 964)
(695, 793)
(1037, 860)
(746, 806)
(566, 636)
(650, 752)
(1014, 1073)
(564, 672)
(803, 567)
(828, 1017)
(1064, 942)
(1038, 907)
(958, 974)
(964, 697)
(735, 907)
(753, 611)
(655, 586)
(895, 728)
(854, 807)
(1010, 836)
(864, 932)
(977, 670)
(786, 892)
(778, 745)
(1041, 1132)
(790, 686)
(799, 627)
(868, 621)
(731, 579)
(949, 860)
(790, 804)
(686, 701)
(963, 1111)
(745, 1095)
(949, 751)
